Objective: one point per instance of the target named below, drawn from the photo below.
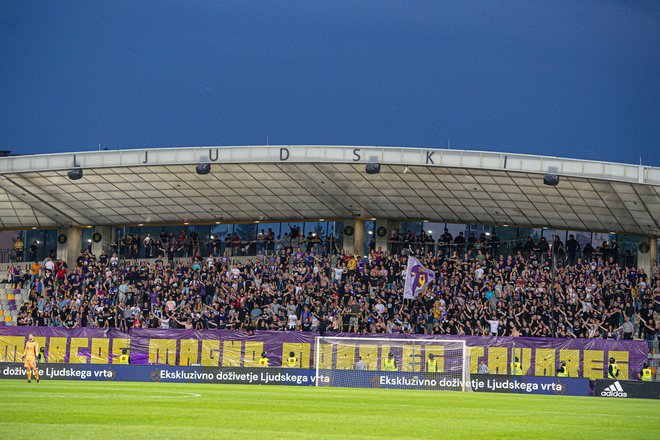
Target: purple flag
(417, 279)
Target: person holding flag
(418, 279)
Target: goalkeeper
(30, 355)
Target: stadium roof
(274, 183)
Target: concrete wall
(70, 250)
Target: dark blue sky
(567, 78)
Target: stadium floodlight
(372, 168)
(364, 362)
(203, 168)
(75, 173)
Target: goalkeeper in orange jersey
(30, 357)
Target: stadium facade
(360, 195)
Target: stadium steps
(11, 301)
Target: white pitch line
(182, 395)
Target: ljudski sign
(251, 154)
(285, 154)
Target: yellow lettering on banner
(210, 352)
(161, 351)
(75, 344)
(438, 353)
(118, 344)
(384, 351)
(11, 348)
(231, 353)
(498, 360)
(301, 350)
(57, 348)
(325, 356)
(572, 359)
(253, 350)
(100, 351)
(593, 364)
(188, 351)
(475, 354)
(345, 356)
(369, 354)
(545, 362)
(622, 361)
(41, 342)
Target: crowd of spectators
(530, 293)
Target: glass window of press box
(253, 239)
(239, 239)
(27, 245)
(562, 246)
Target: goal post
(364, 362)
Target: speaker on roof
(203, 168)
(372, 168)
(551, 179)
(75, 173)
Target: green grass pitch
(98, 410)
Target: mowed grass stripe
(249, 411)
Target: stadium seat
(11, 296)
(2, 312)
(8, 318)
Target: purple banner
(418, 279)
(227, 348)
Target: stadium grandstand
(346, 290)
(316, 238)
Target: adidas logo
(614, 390)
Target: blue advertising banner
(477, 382)
(391, 380)
(165, 373)
(303, 377)
(568, 386)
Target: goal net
(429, 364)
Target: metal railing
(503, 248)
(204, 249)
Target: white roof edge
(391, 155)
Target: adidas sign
(614, 390)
